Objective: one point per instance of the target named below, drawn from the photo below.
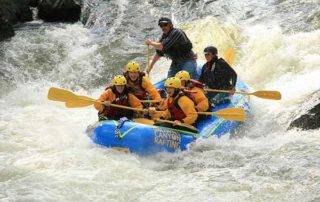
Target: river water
(46, 156)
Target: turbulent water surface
(46, 156)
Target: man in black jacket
(174, 44)
(217, 74)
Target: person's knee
(191, 67)
(172, 72)
(217, 100)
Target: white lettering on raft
(167, 137)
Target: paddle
(74, 101)
(265, 94)
(150, 101)
(232, 114)
(229, 55)
(151, 122)
(179, 124)
(58, 94)
(148, 61)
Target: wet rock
(16, 10)
(59, 10)
(33, 3)
(12, 12)
(309, 120)
(6, 30)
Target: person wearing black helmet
(217, 74)
(175, 45)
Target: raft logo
(169, 138)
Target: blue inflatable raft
(146, 139)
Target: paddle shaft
(226, 91)
(232, 114)
(272, 95)
(148, 60)
(113, 105)
(179, 124)
(150, 101)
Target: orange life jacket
(136, 86)
(121, 99)
(175, 109)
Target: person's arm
(149, 87)
(105, 96)
(231, 75)
(202, 72)
(233, 78)
(134, 101)
(163, 105)
(201, 99)
(163, 114)
(156, 45)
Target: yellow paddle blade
(272, 95)
(229, 55)
(232, 114)
(59, 94)
(72, 100)
(81, 101)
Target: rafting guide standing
(175, 45)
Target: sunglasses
(163, 24)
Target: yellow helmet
(183, 75)
(133, 67)
(119, 80)
(173, 82)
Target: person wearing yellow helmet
(140, 85)
(180, 108)
(118, 94)
(194, 90)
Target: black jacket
(176, 45)
(222, 77)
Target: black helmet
(211, 49)
(164, 20)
